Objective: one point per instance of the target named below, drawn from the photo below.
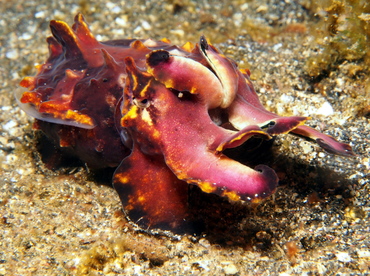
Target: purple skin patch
(153, 110)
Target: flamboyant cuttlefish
(160, 113)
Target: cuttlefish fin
(152, 196)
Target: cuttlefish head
(177, 126)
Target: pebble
(363, 253)
(146, 26)
(230, 268)
(326, 110)
(40, 14)
(343, 257)
(12, 54)
(9, 125)
(122, 21)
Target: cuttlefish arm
(152, 196)
(327, 142)
(247, 110)
(185, 75)
(220, 174)
(215, 83)
(242, 114)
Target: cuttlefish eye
(143, 103)
(157, 57)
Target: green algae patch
(342, 28)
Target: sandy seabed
(65, 223)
